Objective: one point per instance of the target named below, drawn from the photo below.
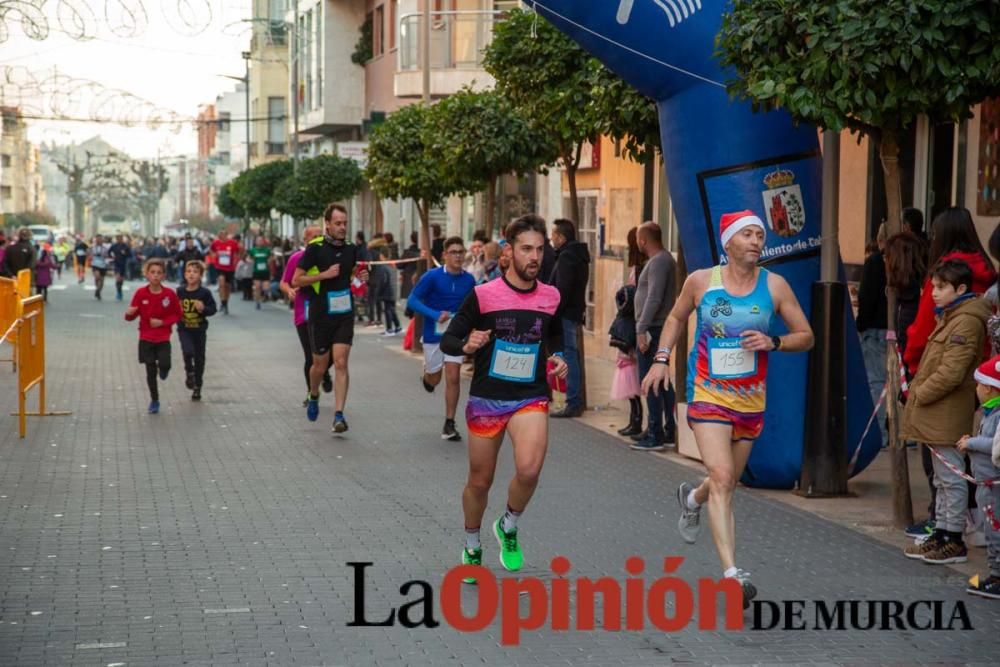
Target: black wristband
(776, 340)
(665, 362)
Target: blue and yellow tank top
(719, 370)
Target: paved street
(218, 533)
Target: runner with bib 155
(727, 373)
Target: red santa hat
(988, 373)
(731, 224)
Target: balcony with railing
(457, 41)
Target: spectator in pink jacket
(44, 267)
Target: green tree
(548, 78)
(317, 182)
(227, 205)
(479, 137)
(254, 188)
(626, 115)
(402, 165)
(872, 67)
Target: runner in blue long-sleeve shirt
(437, 295)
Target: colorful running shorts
(487, 417)
(746, 425)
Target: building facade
(21, 186)
(228, 157)
(269, 82)
(203, 178)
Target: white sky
(162, 64)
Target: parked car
(41, 234)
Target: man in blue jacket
(436, 296)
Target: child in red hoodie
(158, 309)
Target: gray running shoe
(749, 590)
(690, 522)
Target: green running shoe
(471, 558)
(511, 556)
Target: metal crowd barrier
(22, 323)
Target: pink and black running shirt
(526, 330)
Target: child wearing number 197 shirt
(158, 309)
(197, 304)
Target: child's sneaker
(947, 552)
(986, 588)
(154, 407)
(920, 549)
(196, 395)
(920, 529)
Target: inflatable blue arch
(721, 156)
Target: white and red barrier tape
(395, 261)
(904, 388)
(868, 427)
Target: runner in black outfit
(325, 269)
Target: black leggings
(156, 357)
(303, 331)
(193, 347)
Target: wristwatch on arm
(776, 340)
(662, 356)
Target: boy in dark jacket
(197, 305)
